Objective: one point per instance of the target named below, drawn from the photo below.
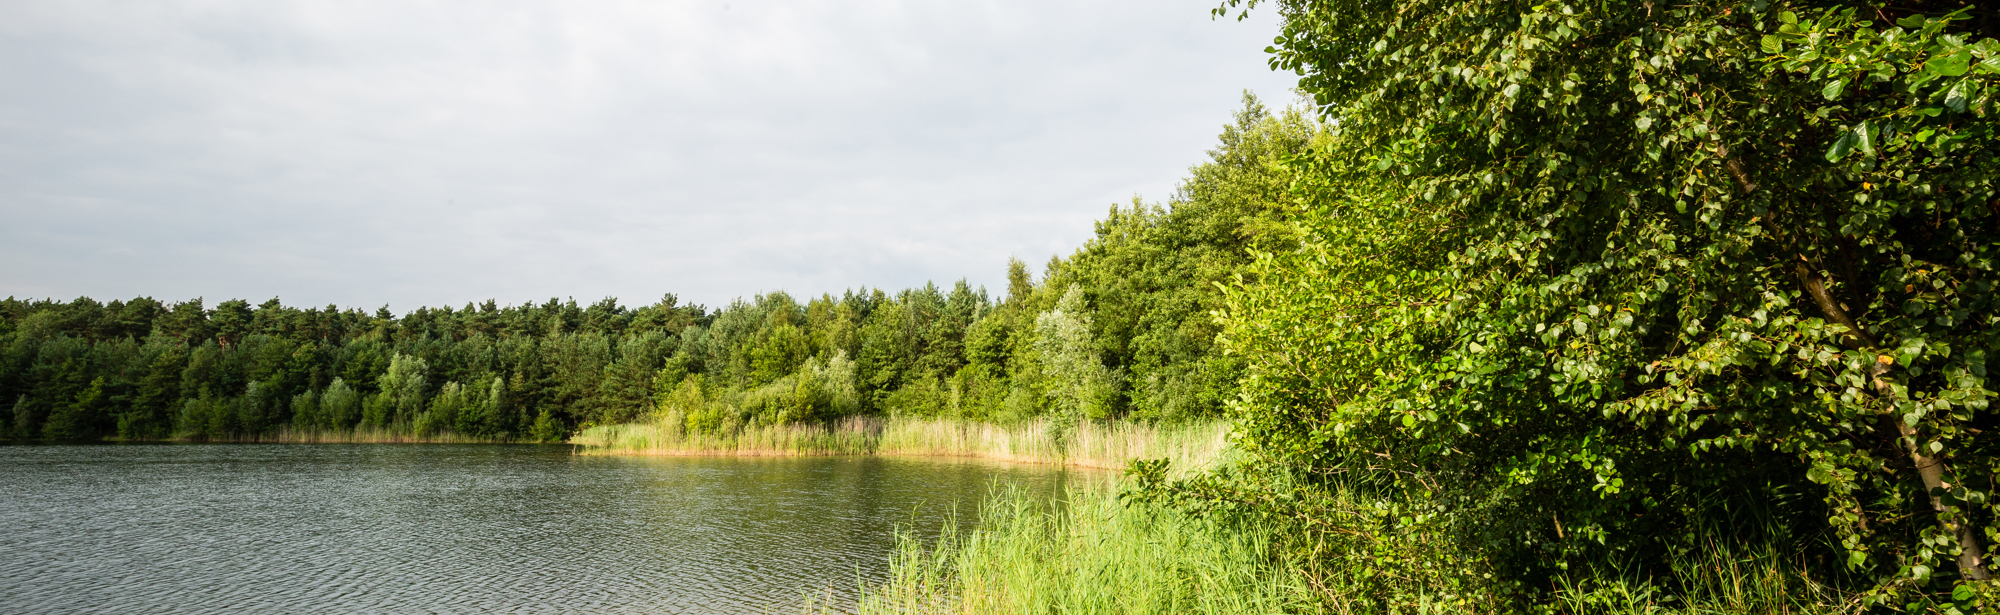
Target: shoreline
(288, 435)
(1108, 445)
(770, 453)
(1084, 444)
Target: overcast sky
(428, 153)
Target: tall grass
(1094, 554)
(1082, 444)
(358, 435)
(1719, 578)
(1088, 554)
(854, 436)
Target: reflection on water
(472, 529)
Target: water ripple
(456, 529)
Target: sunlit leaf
(1955, 98)
(1773, 44)
(1951, 64)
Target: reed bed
(850, 437)
(1082, 444)
(357, 435)
(1090, 553)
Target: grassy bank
(1091, 554)
(1082, 444)
(1097, 554)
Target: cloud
(427, 153)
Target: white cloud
(363, 153)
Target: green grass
(1746, 579)
(1090, 553)
(1086, 554)
(1083, 444)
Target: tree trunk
(1930, 469)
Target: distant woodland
(1119, 329)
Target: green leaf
(1788, 17)
(1954, 98)
(1643, 123)
(1867, 138)
(1840, 147)
(1773, 44)
(1950, 65)
(1833, 88)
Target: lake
(292, 528)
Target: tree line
(1119, 329)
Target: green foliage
(454, 407)
(547, 429)
(1150, 275)
(339, 408)
(1570, 274)
(1079, 384)
(77, 420)
(250, 371)
(817, 392)
(157, 392)
(484, 411)
(400, 392)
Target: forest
(1119, 329)
(1526, 307)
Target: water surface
(458, 529)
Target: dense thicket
(1121, 328)
(1595, 285)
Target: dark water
(457, 529)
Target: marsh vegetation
(1086, 444)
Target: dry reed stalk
(1086, 444)
(358, 435)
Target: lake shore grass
(357, 435)
(1090, 553)
(1088, 444)
(1094, 552)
